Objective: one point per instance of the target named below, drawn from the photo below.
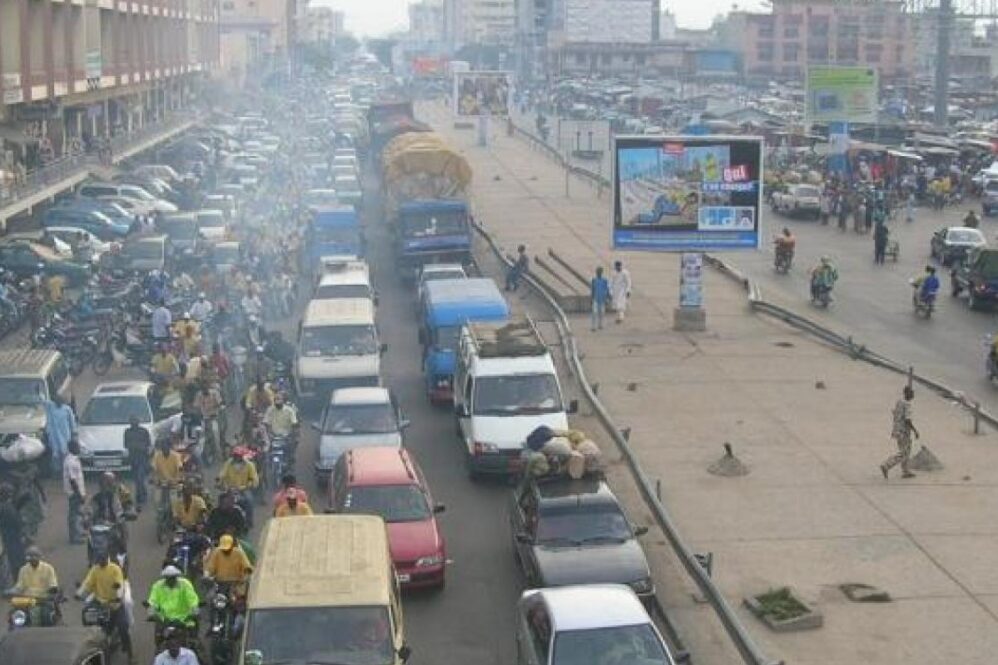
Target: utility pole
(945, 25)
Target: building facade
(973, 48)
(255, 31)
(75, 70)
(479, 22)
(320, 25)
(781, 44)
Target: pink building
(837, 32)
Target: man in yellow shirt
(164, 365)
(167, 470)
(291, 506)
(106, 583)
(189, 509)
(228, 564)
(36, 578)
(239, 475)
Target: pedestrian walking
(76, 491)
(60, 427)
(842, 205)
(880, 234)
(11, 529)
(599, 293)
(901, 432)
(909, 207)
(859, 217)
(517, 270)
(138, 445)
(826, 206)
(620, 289)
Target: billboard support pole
(690, 315)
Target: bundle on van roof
(515, 339)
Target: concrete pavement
(814, 512)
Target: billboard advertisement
(687, 193)
(841, 94)
(482, 93)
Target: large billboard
(482, 93)
(841, 94)
(687, 193)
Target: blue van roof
(416, 205)
(450, 302)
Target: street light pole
(941, 106)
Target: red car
(386, 481)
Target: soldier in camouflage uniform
(901, 432)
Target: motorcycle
(105, 537)
(783, 260)
(924, 304)
(96, 613)
(164, 512)
(226, 620)
(186, 551)
(821, 296)
(279, 459)
(33, 612)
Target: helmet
(226, 542)
(826, 259)
(201, 296)
(170, 571)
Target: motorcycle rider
(174, 653)
(226, 518)
(823, 277)
(106, 583)
(785, 245)
(167, 469)
(110, 505)
(239, 475)
(209, 404)
(36, 578)
(281, 421)
(289, 485)
(228, 564)
(173, 600)
(190, 509)
(164, 366)
(201, 309)
(971, 219)
(293, 505)
(926, 286)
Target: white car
(65, 233)
(348, 279)
(161, 171)
(434, 271)
(592, 624)
(106, 417)
(798, 200)
(356, 418)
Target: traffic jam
(205, 457)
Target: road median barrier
(563, 282)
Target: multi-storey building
(253, 31)
(877, 33)
(320, 24)
(73, 70)
(479, 22)
(973, 48)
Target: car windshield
(582, 523)
(117, 410)
(634, 645)
(226, 256)
(356, 340)
(179, 229)
(143, 250)
(360, 419)
(808, 191)
(320, 197)
(393, 503)
(21, 392)
(337, 235)
(211, 221)
(332, 291)
(445, 337)
(517, 394)
(443, 274)
(341, 635)
(137, 193)
(419, 224)
(967, 236)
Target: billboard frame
(493, 73)
(690, 237)
(848, 113)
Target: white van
(505, 386)
(337, 347)
(346, 279)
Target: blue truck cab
(432, 231)
(334, 230)
(447, 305)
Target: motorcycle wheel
(163, 529)
(221, 652)
(101, 364)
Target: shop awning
(902, 154)
(15, 134)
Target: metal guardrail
(750, 652)
(846, 344)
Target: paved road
(873, 302)
(471, 620)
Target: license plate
(98, 462)
(404, 578)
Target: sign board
(843, 94)
(12, 95)
(10, 80)
(691, 280)
(687, 193)
(93, 65)
(838, 147)
(482, 93)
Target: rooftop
(589, 606)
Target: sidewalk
(814, 512)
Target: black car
(25, 258)
(951, 244)
(978, 276)
(575, 532)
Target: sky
(378, 17)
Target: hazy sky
(376, 17)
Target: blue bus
(333, 231)
(447, 305)
(432, 231)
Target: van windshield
(357, 340)
(360, 419)
(517, 394)
(341, 635)
(21, 392)
(445, 338)
(333, 291)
